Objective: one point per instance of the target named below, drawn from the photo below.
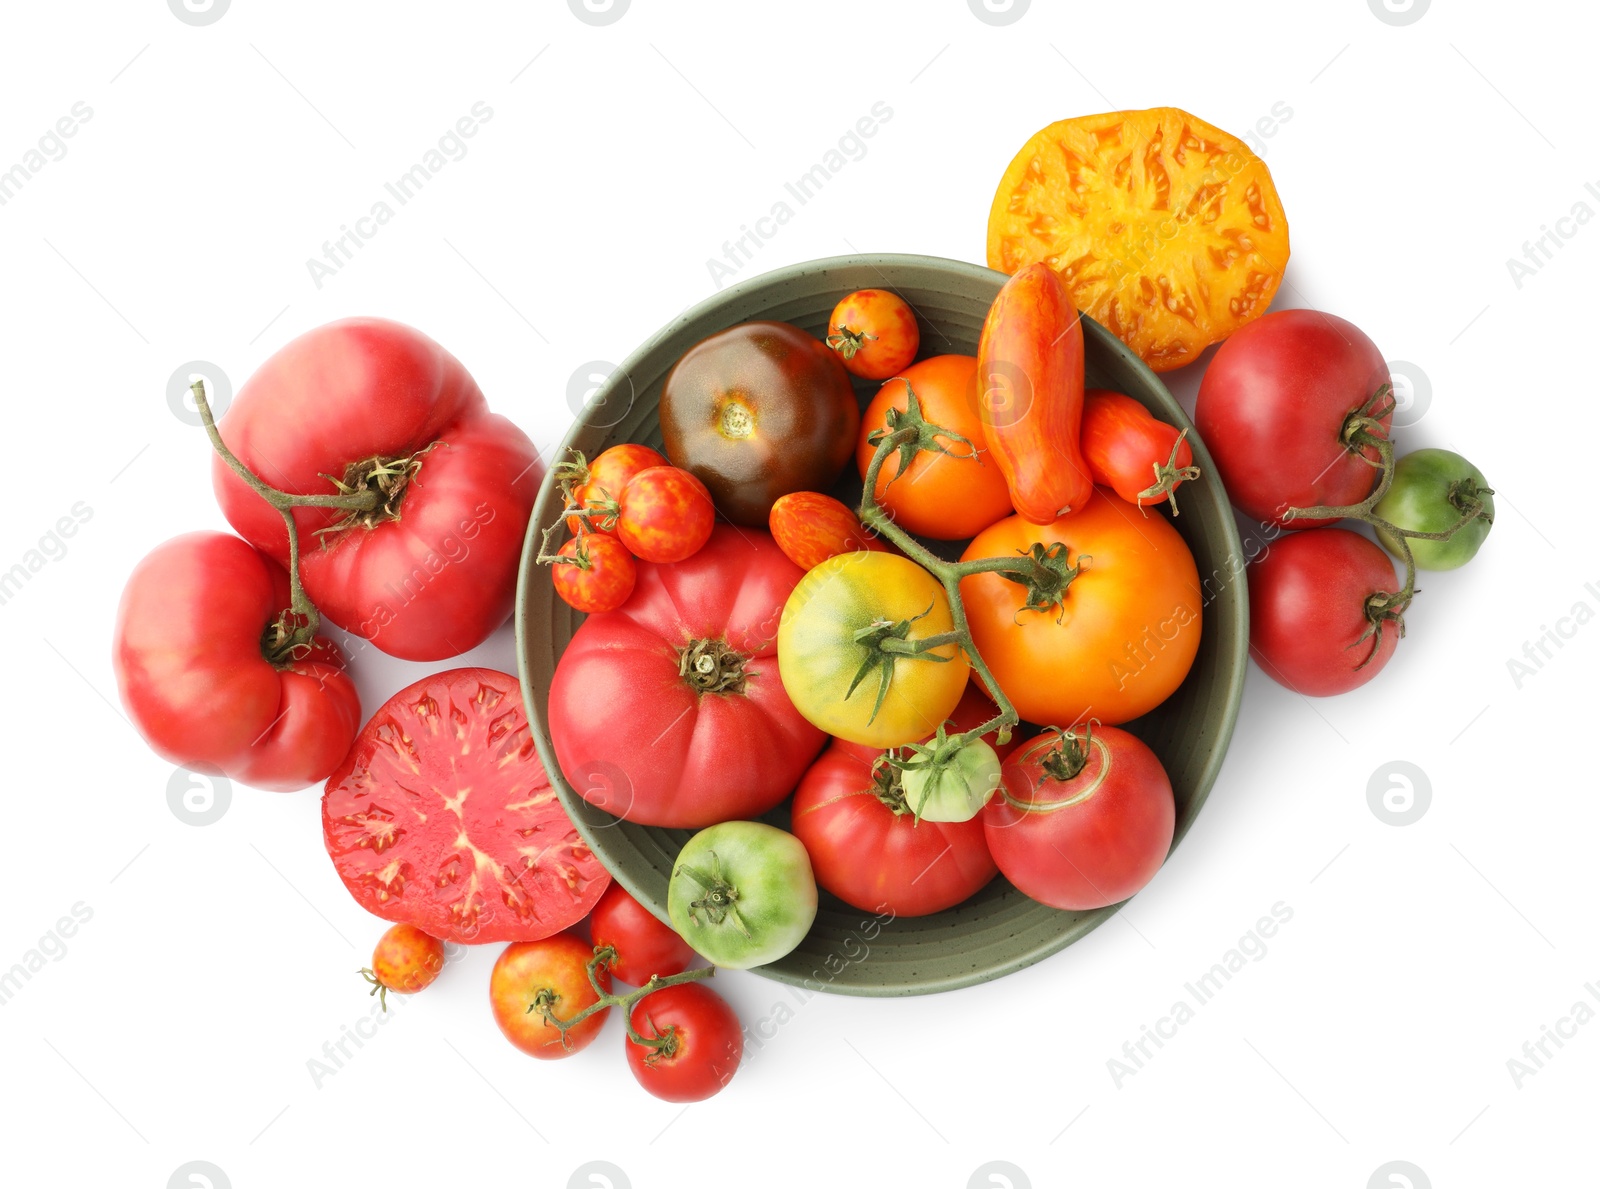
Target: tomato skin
(1130, 624)
(1125, 446)
(1271, 408)
(764, 871)
(1308, 597)
(1420, 499)
(757, 411)
(607, 475)
(644, 945)
(634, 735)
(874, 332)
(1030, 372)
(558, 964)
(605, 578)
(406, 959)
(708, 1043)
(438, 580)
(946, 496)
(187, 654)
(666, 515)
(818, 657)
(1082, 854)
(811, 527)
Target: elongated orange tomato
(1030, 394)
(811, 527)
(1132, 451)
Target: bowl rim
(1104, 341)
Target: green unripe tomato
(742, 894)
(956, 792)
(1432, 490)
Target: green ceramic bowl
(998, 930)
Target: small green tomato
(955, 791)
(1432, 490)
(742, 894)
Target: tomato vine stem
(604, 955)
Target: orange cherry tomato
(1121, 638)
(811, 527)
(605, 477)
(874, 332)
(1133, 452)
(551, 973)
(665, 515)
(954, 489)
(405, 961)
(1030, 370)
(599, 577)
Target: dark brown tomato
(757, 411)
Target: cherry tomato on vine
(811, 527)
(874, 332)
(406, 960)
(1141, 458)
(553, 974)
(1318, 621)
(1432, 491)
(597, 483)
(1275, 404)
(665, 514)
(1083, 819)
(643, 945)
(703, 1043)
(600, 576)
(952, 488)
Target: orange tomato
(605, 477)
(1122, 637)
(1167, 230)
(811, 527)
(949, 494)
(874, 332)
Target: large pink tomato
(668, 711)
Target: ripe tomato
(668, 711)
(840, 679)
(811, 527)
(1124, 635)
(601, 575)
(1129, 450)
(380, 406)
(548, 974)
(406, 960)
(1314, 623)
(867, 847)
(665, 514)
(757, 411)
(874, 332)
(704, 1043)
(955, 489)
(742, 893)
(1432, 490)
(643, 944)
(198, 684)
(442, 817)
(1167, 230)
(1273, 405)
(598, 483)
(1030, 367)
(1081, 822)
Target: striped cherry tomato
(665, 515)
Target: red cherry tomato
(1129, 450)
(1273, 404)
(666, 515)
(643, 944)
(1083, 821)
(601, 575)
(189, 657)
(704, 1047)
(1313, 624)
(550, 973)
(602, 481)
(874, 332)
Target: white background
(218, 960)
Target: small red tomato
(703, 1043)
(874, 332)
(1133, 452)
(1319, 621)
(811, 527)
(599, 577)
(602, 481)
(546, 975)
(404, 961)
(666, 515)
(643, 944)
(1081, 820)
